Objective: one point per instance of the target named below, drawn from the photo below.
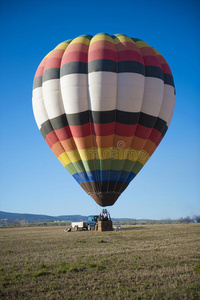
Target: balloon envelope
(103, 104)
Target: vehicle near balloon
(88, 225)
(101, 222)
(92, 222)
(103, 104)
(79, 225)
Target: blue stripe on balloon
(105, 175)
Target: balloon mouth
(105, 199)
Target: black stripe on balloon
(128, 118)
(53, 124)
(160, 125)
(59, 122)
(153, 71)
(164, 130)
(53, 73)
(78, 118)
(46, 128)
(130, 66)
(73, 68)
(107, 117)
(37, 82)
(168, 79)
(147, 120)
(102, 65)
(43, 132)
(104, 117)
(96, 117)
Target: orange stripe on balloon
(56, 53)
(149, 147)
(104, 141)
(53, 63)
(147, 51)
(57, 149)
(40, 68)
(98, 44)
(122, 141)
(76, 47)
(84, 142)
(69, 145)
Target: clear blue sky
(32, 180)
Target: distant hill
(14, 218)
(7, 218)
(38, 218)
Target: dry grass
(138, 262)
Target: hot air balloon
(103, 104)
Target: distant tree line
(186, 220)
(195, 219)
(122, 221)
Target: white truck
(79, 225)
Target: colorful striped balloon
(103, 104)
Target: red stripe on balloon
(166, 69)
(143, 132)
(81, 130)
(129, 55)
(124, 129)
(63, 133)
(146, 51)
(51, 138)
(150, 60)
(39, 71)
(74, 57)
(101, 53)
(155, 136)
(104, 130)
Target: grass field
(138, 262)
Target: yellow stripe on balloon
(122, 39)
(64, 159)
(100, 37)
(130, 154)
(141, 44)
(80, 40)
(47, 54)
(62, 45)
(104, 153)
